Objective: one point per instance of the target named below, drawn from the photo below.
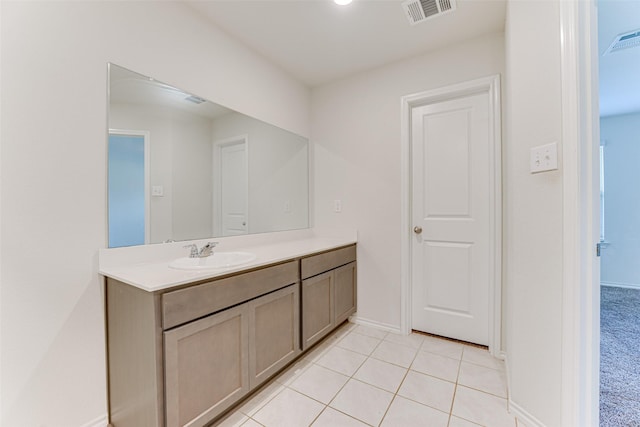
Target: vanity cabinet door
(274, 333)
(317, 308)
(206, 366)
(345, 292)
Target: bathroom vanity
(185, 348)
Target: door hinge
(598, 248)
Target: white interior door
(231, 183)
(451, 211)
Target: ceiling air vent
(195, 99)
(420, 10)
(624, 41)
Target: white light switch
(544, 158)
(287, 206)
(337, 206)
(157, 190)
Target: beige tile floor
(362, 376)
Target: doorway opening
(128, 195)
(619, 119)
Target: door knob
(417, 229)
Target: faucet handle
(194, 250)
(207, 249)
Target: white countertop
(147, 267)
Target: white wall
(192, 184)
(278, 172)
(619, 262)
(533, 211)
(356, 150)
(53, 177)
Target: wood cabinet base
(186, 356)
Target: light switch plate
(544, 158)
(157, 191)
(337, 206)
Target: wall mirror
(181, 167)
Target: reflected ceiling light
(342, 2)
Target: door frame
(581, 210)
(146, 135)
(216, 173)
(491, 86)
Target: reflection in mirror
(181, 167)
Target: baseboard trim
(101, 421)
(378, 325)
(524, 416)
(520, 413)
(620, 285)
(508, 375)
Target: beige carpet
(619, 357)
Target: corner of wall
(522, 415)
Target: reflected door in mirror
(127, 188)
(232, 177)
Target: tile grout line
(352, 377)
(408, 369)
(327, 405)
(398, 389)
(417, 352)
(259, 408)
(401, 382)
(283, 386)
(370, 356)
(455, 388)
(381, 339)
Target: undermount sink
(217, 260)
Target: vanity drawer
(320, 263)
(191, 303)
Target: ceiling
(128, 87)
(317, 41)
(620, 71)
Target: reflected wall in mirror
(181, 167)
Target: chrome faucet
(205, 251)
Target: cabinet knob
(417, 229)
